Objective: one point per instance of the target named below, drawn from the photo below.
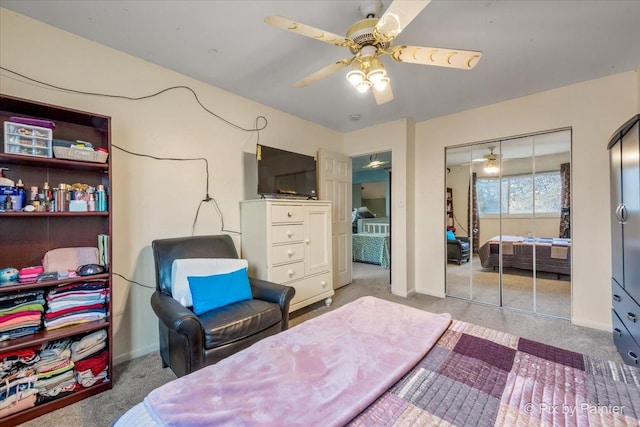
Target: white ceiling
(528, 47)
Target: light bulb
(374, 76)
(381, 84)
(363, 86)
(491, 167)
(355, 77)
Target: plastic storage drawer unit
(27, 140)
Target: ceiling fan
(491, 161)
(374, 162)
(371, 38)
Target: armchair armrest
(453, 242)
(176, 317)
(273, 292)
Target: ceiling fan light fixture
(356, 77)
(370, 38)
(382, 84)
(374, 162)
(375, 75)
(363, 86)
(491, 166)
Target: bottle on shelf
(48, 197)
(22, 194)
(61, 198)
(101, 199)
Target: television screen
(284, 173)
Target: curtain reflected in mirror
(508, 201)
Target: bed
(373, 225)
(372, 243)
(552, 255)
(371, 248)
(375, 362)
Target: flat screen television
(283, 173)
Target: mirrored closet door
(508, 223)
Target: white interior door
(334, 184)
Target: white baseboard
(433, 294)
(591, 324)
(121, 358)
(403, 294)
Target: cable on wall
(258, 126)
(207, 197)
(132, 281)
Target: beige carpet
(552, 295)
(133, 380)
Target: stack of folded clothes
(91, 359)
(20, 313)
(30, 274)
(17, 374)
(55, 370)
(77, 303)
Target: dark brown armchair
(458, 250)
(189, 342)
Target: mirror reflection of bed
(520, 252)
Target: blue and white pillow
(181, 269)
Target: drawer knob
(617, 332)
(633, 357)
(632, 317)
(323, 283)
(291, 273)
(289, 233)
(289, 214)
(306, 241)
(290, 253)
(616, 298)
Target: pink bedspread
(324, 371)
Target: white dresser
(289, 242)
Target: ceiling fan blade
(324, 72)
(308, 31)
(383, 96)
(397, 16)
(453, 58)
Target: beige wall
(593, 109)
(151, 199)
(397, 137)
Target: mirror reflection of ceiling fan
(491, 156)
(371, 38)
(491, 161)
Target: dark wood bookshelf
(28, 236)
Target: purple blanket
(323, 372)
(481, 377)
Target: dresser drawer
(287, 272)
(287, 253)
(627, 309)
(286, 213)
(311, 287)
(628, 348)
(287, 233)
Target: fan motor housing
(362, 33)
